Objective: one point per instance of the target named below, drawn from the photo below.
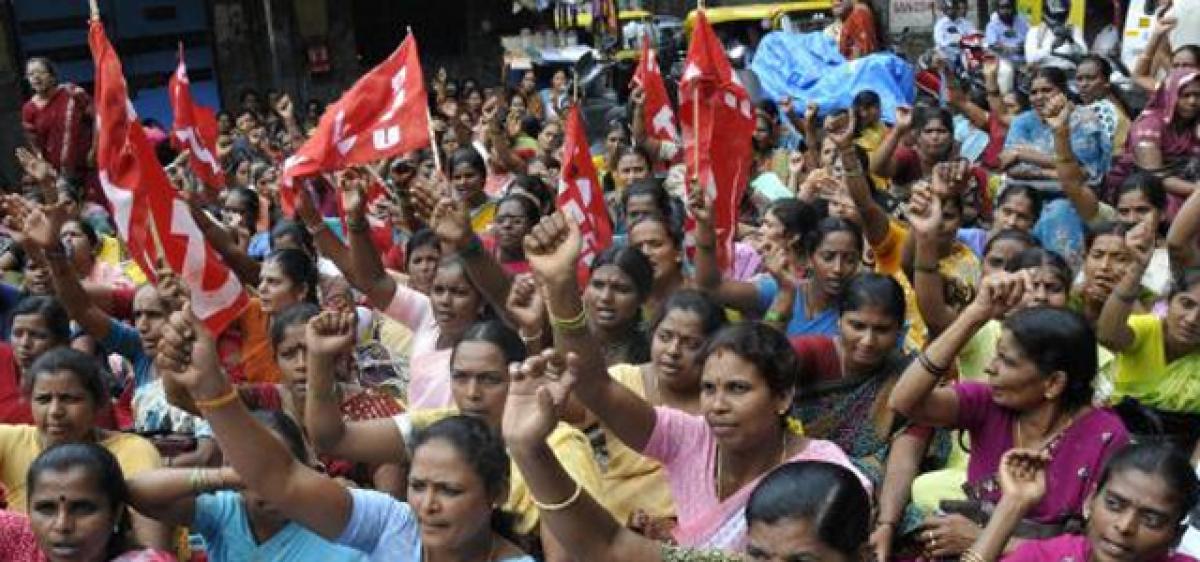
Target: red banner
(195, 128)
(143, 199)
(656, 110)
(384, 114)
(718, 122)
(580, 194)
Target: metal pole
(276, 74)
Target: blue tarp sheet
(808, 66)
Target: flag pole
(433, 143)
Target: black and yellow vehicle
(737, 20)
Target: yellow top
(19, 446)
(633, 482)
(112, 251)
(570, 445)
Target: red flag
(580, 195)
(384, 114)
(656, 110)
(195, 128)
(718, 120)
(143, 198)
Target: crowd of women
(921, 350)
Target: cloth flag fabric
(718, 121)
(151, 218)
(657, 113)
(580, 194)
(384, 114)
(194, 129)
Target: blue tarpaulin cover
(808, 66)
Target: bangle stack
(579, 322)
(926, 268)
(201, 481)
(969, 555)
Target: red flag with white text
(718, 121)
(143, 199)
(384, 114)
(580, 194)
(195, 128)
(657, 114)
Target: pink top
(686, 446)
(1069, 548)
(429, 367)
(1077, 455)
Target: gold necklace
(782, 457)
(1048, 437)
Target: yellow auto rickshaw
(801, 16)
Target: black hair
(1011, 234)
(1186, 279)
(88, 232)
(1030, 258)
(286, 428)
(865, 99)
(1103, 228)
(873, 289)
(1191, 48)
(648, 187)
(633, 263)
(1056, 339)
(712, 315)
(469, 156)
(250, 197)
(830, 225)
(1057, 77)
(1161, 459)
(85, 368)
(299, 313)
(533, 213)
(1034, 196)
(631, 149)
(58, 322)
(534, 186)
(295, 231)
(674, 233)
(828, 496)
(929, 113)
(483, 450)
(1106, 70)
(1149, 184)
(420, 239)
(764, 347)
(107, 476)
(300, 268)
(496, 333)
(798, 218)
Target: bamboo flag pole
(433, 143)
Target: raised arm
(882, 163)
(917, 395)
(582, 526)
(40, 225)
(737, 294)
(1022, 478)
(552, 248)
(1144, 67)
(1181, 245)
(1112, 328)
(188, 353)
(245, 267)
(637, 124)
(451, 222)
(331, 335)
(1070, 173)
(367, 273)
(168, 495)
(925, 216)
(326, 241)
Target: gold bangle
(969, 555)
(218, 402)
(576, 323)
(561, 505)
